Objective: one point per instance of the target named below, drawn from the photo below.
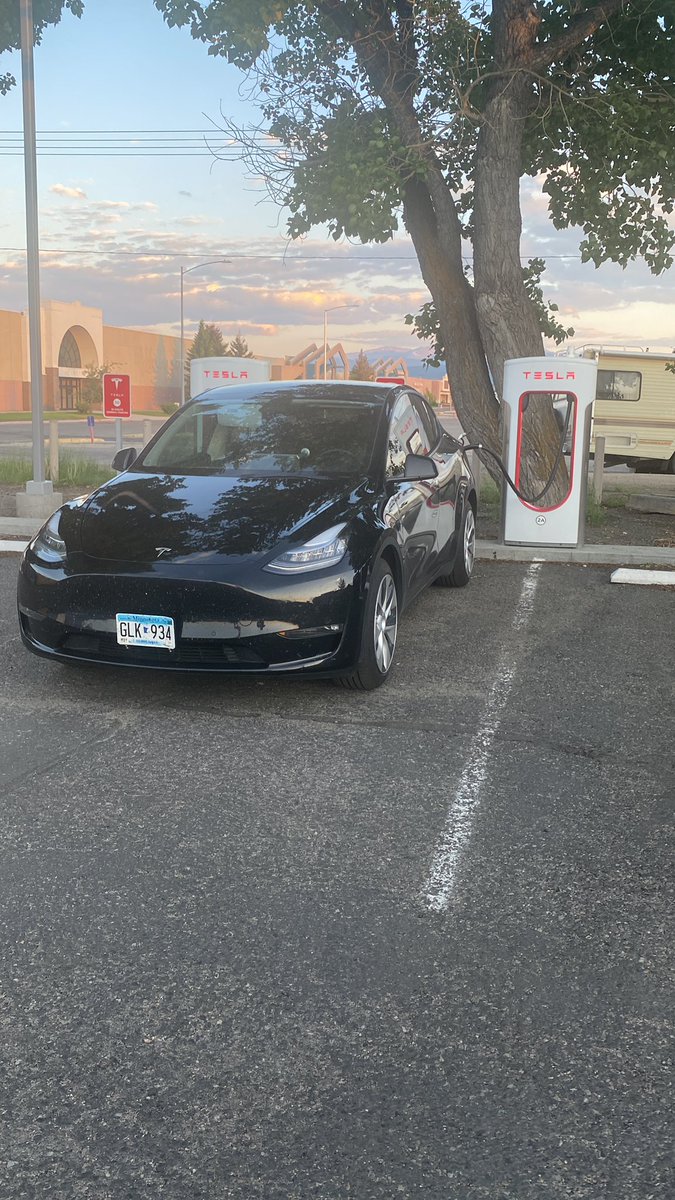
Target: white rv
(634, 407)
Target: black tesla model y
(266, 528)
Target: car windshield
(267, 435)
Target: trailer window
(619, 385)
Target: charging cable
(481, 449)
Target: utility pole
(183, 273)
(325, 332)
(39, 497)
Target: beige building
(75, 339)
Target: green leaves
(603, 135)
(239, 30)
(45, 12)
(548, 323)
(350, 179)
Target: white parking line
(458, 826)
(8, 547)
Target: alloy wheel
(469, 540)
(385, 624)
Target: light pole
(184, 271)
(38, 486)
(325, 332)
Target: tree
(208, 342)
(238, 348)
(45, 12)
(91, 388)
(432, 112)
(362, 368)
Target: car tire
(466, 552)
(380, 628)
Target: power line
(130, 143)
(121, 154)
(126, 132)
(297, 257)
(111, 137)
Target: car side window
(428, 420)
(407, 435)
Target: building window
(69, 354)
(619, 385)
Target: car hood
(140, 517)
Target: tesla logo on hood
(162, 550)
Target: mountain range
(414, 362)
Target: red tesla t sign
(116, 396)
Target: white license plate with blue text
(136, 629)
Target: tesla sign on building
(208, 373)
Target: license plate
(134, 629)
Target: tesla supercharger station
(532, 381)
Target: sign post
(117, 402)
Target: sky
(115, 230)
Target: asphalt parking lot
(277, 940)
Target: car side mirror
(417, 467)
(124, 458)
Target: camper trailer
(634, 407)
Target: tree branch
(579, 28)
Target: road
(16, 438)
(270, 939)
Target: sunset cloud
(72, 193)
(119, 255)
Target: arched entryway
(77, 353)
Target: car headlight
(325, 550)
(48, 543)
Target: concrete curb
(20, 527)
(601, 555)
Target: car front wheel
(380, 628)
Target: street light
(325, 332)
(38, 486)
(184, 271)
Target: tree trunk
(497, 320)
(438, 247)
(506, 316)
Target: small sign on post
(116, 395)
(90, 426)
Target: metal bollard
(598, 468)
(54, 451)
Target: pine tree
(362, 368)
(208, 342)
(238, 348)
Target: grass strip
(73, 472)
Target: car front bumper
(251, 623)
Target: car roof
(344, 390)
